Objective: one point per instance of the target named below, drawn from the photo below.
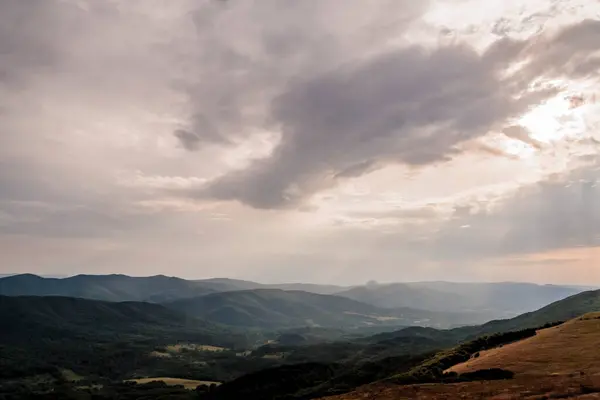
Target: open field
(559, 362)
(187, 383)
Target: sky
(326, 141)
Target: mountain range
(111, 341)
(278, 309)
(380, 358)
(502, 299)
(491, 300)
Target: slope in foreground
(559, 362)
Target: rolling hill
(545, 353)
(278, 309)
(103, 287)
(561, 310)
(46, 332)
(549, 363)
(31, 318)
(226, 284)
(558, 362)
(500, 300)
(493, 300)
(154, 289)
(40, 335)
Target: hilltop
(557, 362)
(560, 350)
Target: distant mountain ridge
(562, 310)
(103, 287)
(495, 300)
(247, 285)
(156, 289)
(502, 299)
(277, 309)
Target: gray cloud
(29, 32)
(189, 140)
(411, 106)
(244, 65)
(571, 53)
(563, 212)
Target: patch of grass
(158, 354)
(186, 383)
(71, 376)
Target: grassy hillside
(561, 310)
(555, 363)
(546, 352)
(278, 309)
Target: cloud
(29, 34)
(190, 141)
(572, 53)
(412, 106)
(559, 213)
(210, 126)
(520, 133)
